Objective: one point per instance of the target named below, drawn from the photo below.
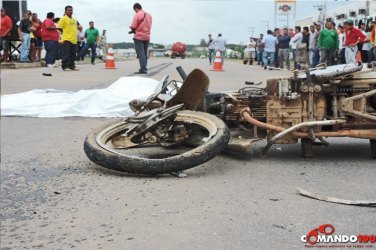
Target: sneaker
(74, 69)
(55, 65)
(49, 65)
(93, 63)
(141, 72)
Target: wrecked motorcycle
(182, 126)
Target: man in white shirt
(251, 47)
(270, 42)
(220, 44)
(366, 44)
(341, 48)
(297, 38)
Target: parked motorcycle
(182, 126)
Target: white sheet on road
(109, 102)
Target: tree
(202, 42)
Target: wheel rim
(156, 151)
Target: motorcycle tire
(111, 159)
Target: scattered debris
(57, 192)
(47, 74)
(179, 174)
(336, 200)
(279, 226)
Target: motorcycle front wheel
(153, 159)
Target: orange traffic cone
(217, 66)
(110, 59)
(358, 58)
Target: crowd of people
(62, 38)
(321, 43)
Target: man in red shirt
(353, 36)
(50, 37)
(141, 27)
(5, 32)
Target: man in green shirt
(92, 37)
(328, 44)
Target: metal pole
(294, 12)
(275, 14)
(287, 20)
(251, 29)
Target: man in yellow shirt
(69, 39)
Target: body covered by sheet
(109, 102)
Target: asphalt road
(53, 197)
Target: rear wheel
(148, 158)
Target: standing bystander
(141, 27)
(80, 43)
(270, 42)
(365, 44)
(276, 33)
(284, 44)
(220, 44)
(260, 49)
(5, 32)
(92, 37)
(24, 30)
(328, 44)
(211, 48)
(315, 48)
(341, 49)
(50, 37)
(353, 36)
(251, 48)
(297, 38)
(68, 24)
(103, 45)
(305, 40)
(36, 43)
(311, 43)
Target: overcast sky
(176, 20)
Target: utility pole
(266, 23)
(286, 20)
(251, 29)
(322, 10)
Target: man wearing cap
(103, 45)
(353, 36)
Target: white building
(356, 10)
